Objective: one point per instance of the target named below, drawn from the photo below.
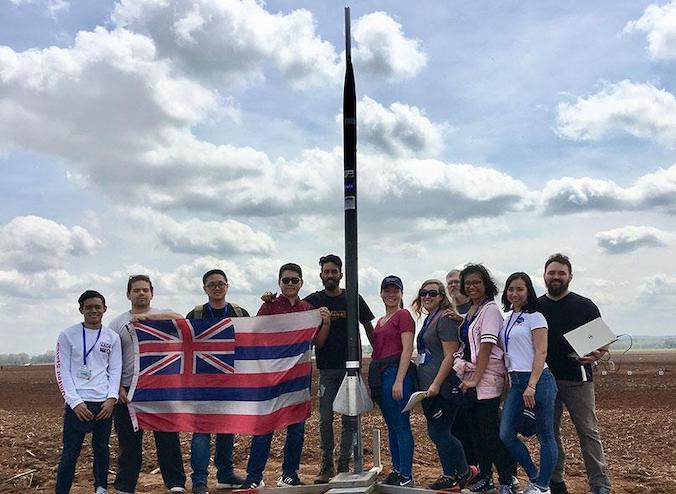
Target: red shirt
(387, 337)
(281, 305)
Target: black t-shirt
(464, 308)
(334, 352)
(209, 312)
(564, 315)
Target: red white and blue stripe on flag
(245, 375)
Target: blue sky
(168, 138)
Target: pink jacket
(484, 329)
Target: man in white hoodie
(88, 365)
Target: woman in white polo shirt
(524, 341)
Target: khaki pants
(578, 397)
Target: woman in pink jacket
(479, 363)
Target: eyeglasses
(218, 284)
(474, 283)
(292, 281)
(424, 293)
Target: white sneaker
(178, 488)
(101, 490)
(534, 489)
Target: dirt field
(637, 416)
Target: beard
(556, 289)
(331, 284)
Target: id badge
(84, 372)
(508, 361)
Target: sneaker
(343, 466)
(506, 489)
(445, 483)
(483, 485)
(249, 485)
(515, 483)
(325, 474)
(558, 487)
(405, 481)
(200, 489)
(469, 477)
(289, 481)
(177, 488)
(391, 479)
(232, 482)
(101, 490)
(534, 489)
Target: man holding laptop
(566, 311)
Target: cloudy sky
(170, 137)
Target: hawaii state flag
(245, 375)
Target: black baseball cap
(392, 280)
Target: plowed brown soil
(637, 417)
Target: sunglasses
(432, 293)
(292, 281)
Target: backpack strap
(198, 312)
(237, 309)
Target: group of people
(468, 356)
(488, 378)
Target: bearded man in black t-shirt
(331, 354)
(565, 311)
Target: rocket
(352, 398)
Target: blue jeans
(440, 413)
(200, 449)
(399, 435)
(260, 452)
(545, 395)
(74, 431)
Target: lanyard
(422, 348)
(508, 329)
(84, 345)
(464, 329)
(211, 311)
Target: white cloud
(572, 195)
(407, 188)
(629, 238)
(30, 244)
(659, 24)
(639, 109)
(233, 40)
(236, 40)
(383, 49)
(659, 287)
(49, 284)
(196, 236)
(401, 130)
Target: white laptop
(590, 337)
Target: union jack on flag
(186, 347)
(246, 375)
